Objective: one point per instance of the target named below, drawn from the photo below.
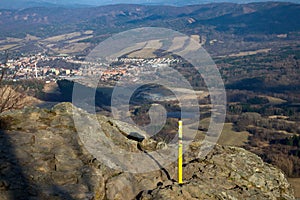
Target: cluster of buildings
(31, 67)
(152, 61)
(129, 67)
(34, 67)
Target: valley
(44, 52)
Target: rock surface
(42, 157)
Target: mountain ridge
(21, 4)
(220, 15)
(42, 29)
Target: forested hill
(267, 18)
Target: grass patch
(229, 137)
(8, 46)
(295, 182)
(274, 100)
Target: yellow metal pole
(180, 152)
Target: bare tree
(12, 96)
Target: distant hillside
(264, 18)
(17, 4)
(21, 4)
(230, 24)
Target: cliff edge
(42, 157)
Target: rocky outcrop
(42, 157)
(226, 173)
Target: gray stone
(42, 157)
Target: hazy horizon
(17, 4)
